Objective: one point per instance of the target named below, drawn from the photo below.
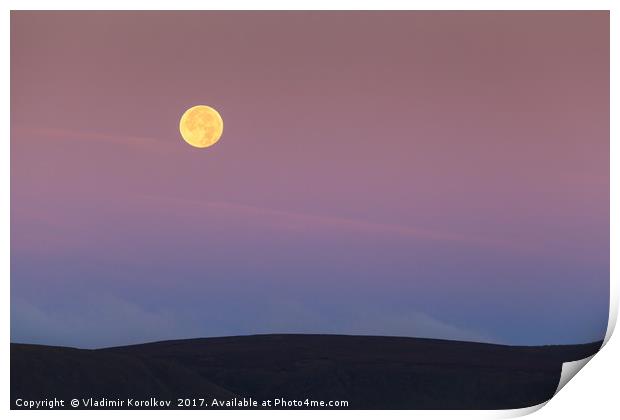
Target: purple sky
(435, 174)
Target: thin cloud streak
(79, 135)
(298, 220)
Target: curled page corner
(611, 323)
(569, 370)
(520, 412)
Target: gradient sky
(433, 174)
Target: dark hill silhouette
(370, 372)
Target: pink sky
(439, 163)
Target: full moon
(201, 126)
